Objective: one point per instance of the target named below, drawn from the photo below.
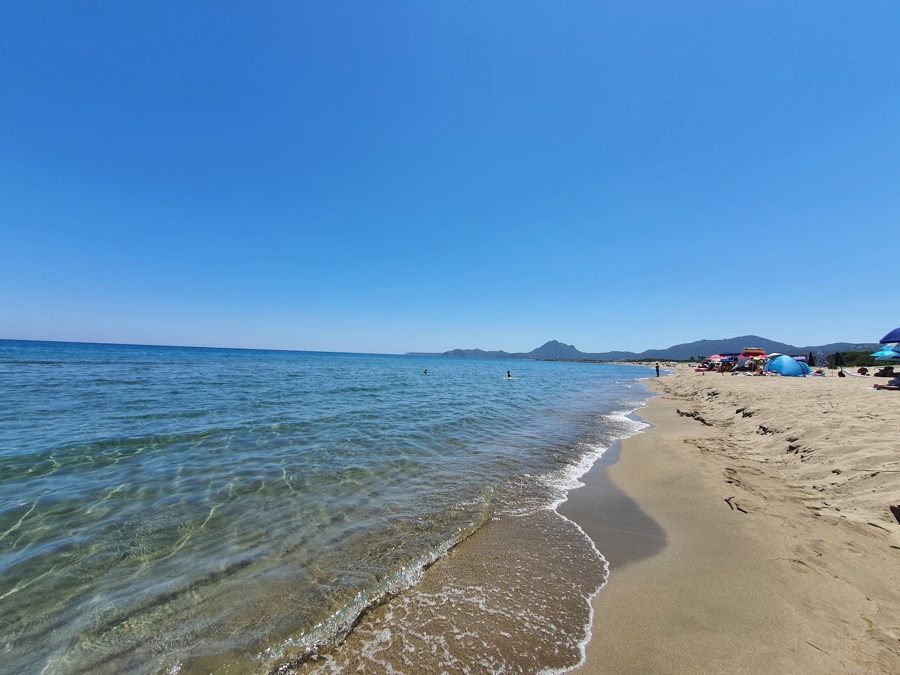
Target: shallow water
(169, 508)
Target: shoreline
(619, 528)
(730, 554)
(512, 596)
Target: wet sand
(617, 525)
(757, 540)
(513, 598)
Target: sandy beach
(762, 539)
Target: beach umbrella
(810, 360)
(893, 336)
(885, 354)
(838, 360)
(785, 365)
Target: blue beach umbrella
(893, 336)
(886, 354)
(785, 365)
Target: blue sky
(419, 176)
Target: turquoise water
(163, 506)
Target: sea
(199, 510)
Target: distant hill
(559, 351)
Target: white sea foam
(630, 426)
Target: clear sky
(420, 176)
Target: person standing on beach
(657, 368)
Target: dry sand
(764, 541)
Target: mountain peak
(556, 350)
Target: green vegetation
(855, 360)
